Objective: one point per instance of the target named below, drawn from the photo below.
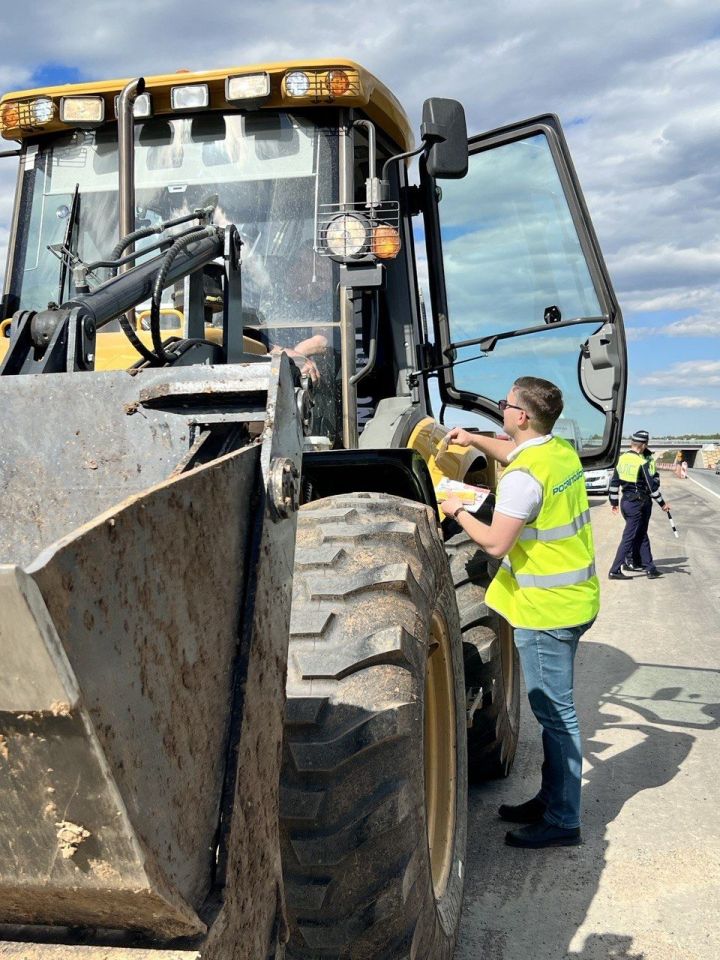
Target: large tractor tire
(492, 668)
(373, 791)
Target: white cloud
(701, 373)
(683, 402)
(696, 326)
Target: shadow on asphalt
(673, 565)
(635, 720)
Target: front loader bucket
(144, 602)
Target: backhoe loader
(248, 665)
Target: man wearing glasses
(546, 588)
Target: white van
(569, 430)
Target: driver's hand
(306, 365)
(459, 436)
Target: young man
(546, 588)
(637, 475)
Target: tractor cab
(310, 164)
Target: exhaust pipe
(126, 166)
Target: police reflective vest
(548, 579)
(631, 463)
(637, 474)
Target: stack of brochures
(472, 497)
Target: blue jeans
(547, 658)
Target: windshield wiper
(64, 250)
(488, 343)
(71, 255)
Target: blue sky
(634, 82)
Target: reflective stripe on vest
(556, 533)
(548, 579)
(552, 579)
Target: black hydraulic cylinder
(122, 293)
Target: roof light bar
(194, 96)
(296, 83)
(324, 85)
(27, 114)
(142, 108)
(252, 86)
(83, 112)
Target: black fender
(401, 472)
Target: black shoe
(633, 567)
(543, 834)
(653, 573)
(531, 811)
(618, 575)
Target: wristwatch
(458, 511)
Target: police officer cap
(640, 436)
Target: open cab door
(519, 286)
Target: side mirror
(444, 132)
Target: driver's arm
(314, 344)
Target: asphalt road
(645, 883)
(707, 479)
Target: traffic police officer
(637, 475)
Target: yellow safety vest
(629, 465)
(548, 579)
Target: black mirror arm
(400, 156)
(429, 134)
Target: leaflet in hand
(472, 497)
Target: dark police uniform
(637, 477)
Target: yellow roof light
(82, 111)
(27, 114)
(253, 86)
(142, 107)
(385, 242)
(323, 85)
(194, 96)
(10, 116)
(337, 82)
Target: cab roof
(365, 92)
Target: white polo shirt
(519, 495)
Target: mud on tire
(492, 668)
(373, 604)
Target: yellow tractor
(248, 669)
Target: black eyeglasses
(503, 405)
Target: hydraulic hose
(127, 329)
(125, 324)
(122, 245)
(160, 282)
(127, 241)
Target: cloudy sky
(634, 83)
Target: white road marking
(707, 489)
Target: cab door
(519, 286)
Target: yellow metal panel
(452, 461)
(115, 352)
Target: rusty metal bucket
(145, 579)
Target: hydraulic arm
(62, 338)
